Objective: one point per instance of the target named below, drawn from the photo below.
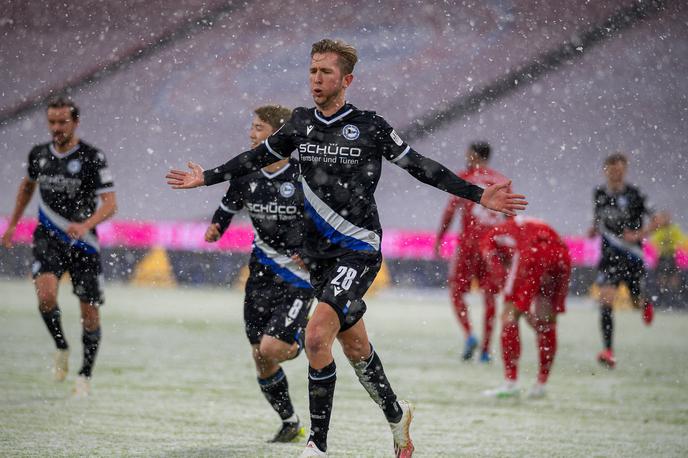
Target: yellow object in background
(154, 269)
(622, 301)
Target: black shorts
(342, 282)
(52, 255)
(614, 270)
(273, 307)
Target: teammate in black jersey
(618, 219)
(278, 292)
(340, 153)
(71, 176)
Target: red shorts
(468, 264)
(543, 273)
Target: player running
(536, 285)
(340, 153)
(278, 292)
(468, 264)
(618, 219)
(71, 176)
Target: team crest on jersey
(252, 185)
(350, 132)
(74, 166)
(287, 189)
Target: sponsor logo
(396, 138)
(36, 267)
(41, 162)
(308, 130)
(337, 290)
(272, 207)
(74, 166)
(252, 185)
(350, 132)
(329, 150)
(287, 189)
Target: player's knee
(316, 341)
(46, 302)
(273, 351)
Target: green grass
(174, 378)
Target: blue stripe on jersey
(622, 247)
(335, 227)
(283, 272)
(332, 235)
(45, 221)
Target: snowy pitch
(174, 377)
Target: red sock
(490, 312)
(511, 350)
(461, 312)
(547, 346)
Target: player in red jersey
(536, 266)
(468, 264)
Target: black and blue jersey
(274, 202)
(341, 159)
(68, 188)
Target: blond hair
(275, 115)
(347, 55)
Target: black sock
(320, 396)
(276, 390)
(607, 323)
(91, 340)
(372, 376)
(54, 324)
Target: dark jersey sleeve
(275, 148)
(32, 166)
(597, 197)
(231, 203)
(422, 168)
(102, 177)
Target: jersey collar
(343, 112)
(270, 176)
(59, 155)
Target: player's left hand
(180, 179)
(297, 259)
(498, 197)
(77, 230)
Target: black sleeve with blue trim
(422, 168)
(231, 203)
(275, 148)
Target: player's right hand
(180, 179)
(7, 237)
(212, 234)
(498, 197)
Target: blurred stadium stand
(160, 82)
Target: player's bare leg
(272, 380)
(321, 332)
(607, 296)
(368, 367)
(91, 335)
(46, 290)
